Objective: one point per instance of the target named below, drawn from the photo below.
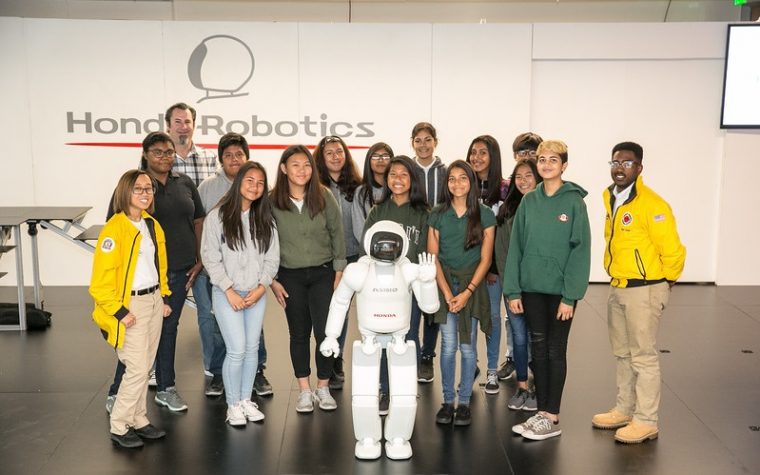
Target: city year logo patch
(107, 245)
(563, 217)
(627, 219)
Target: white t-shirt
(620, 196)
(298, 203)
(146, 274)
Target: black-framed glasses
(526, 153)
(627, 164)
(139, 191)
(158, 153)
(380, 156)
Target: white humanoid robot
(383, 281)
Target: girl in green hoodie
(547, 272)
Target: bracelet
(473, 287)
(467, 288)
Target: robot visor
(386, 246)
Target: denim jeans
(241, 331)
(212, 344)
(429, 332)
(449, 344)
(518, 326)
(168, 342)
(493, 341)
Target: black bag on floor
(36, 319)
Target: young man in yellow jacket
(644, 257)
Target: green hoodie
(550, 246)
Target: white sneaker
(326, 401)
(152, 379)
(236, 415)
(305, 401)
(251, 410)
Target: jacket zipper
(124, 290)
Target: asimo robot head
(386, 241)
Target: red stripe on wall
(204, 145)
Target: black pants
(310, 290)
(548, 344)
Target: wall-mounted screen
(741, 80)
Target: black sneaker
(462, 415)
(150, 432)
(445, 414)
(130, 440)
(425, 373)
(506, 370)
(337, 377)
(492, 383)
(261, 385)
(385, 402)
(215, 387)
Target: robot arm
(352, 281)
(424, 285)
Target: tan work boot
(636, 433)
(610, 420)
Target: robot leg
(399, 424)
(365, 373)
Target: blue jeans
(241, 331)
(517, 324)
(212, 344)
(449, 344)
(493, 341)
(429, 333)
(168, 342)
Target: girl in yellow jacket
(130, 287)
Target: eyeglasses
(526, 153)
(230, 156)
(162, 153)
(139, 191)
(627, 164)
(378, 156)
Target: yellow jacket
(113, 270)
(642, 240)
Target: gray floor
(53, 386)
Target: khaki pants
(633, 318)
(138, 353)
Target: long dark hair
(474, 231)
(514, 195)
(260, 218)
(349, 178)
(417, 199)
(366, 195)
(313, 199)
(492, 194)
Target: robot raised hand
(384, 282)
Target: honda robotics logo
(221, 65)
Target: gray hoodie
(434, 179)
(242, 269)
(213, 188)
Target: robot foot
(398, 449)
(367, 449)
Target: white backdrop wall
(591, 86)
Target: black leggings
(310, 290)
(548, 344)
